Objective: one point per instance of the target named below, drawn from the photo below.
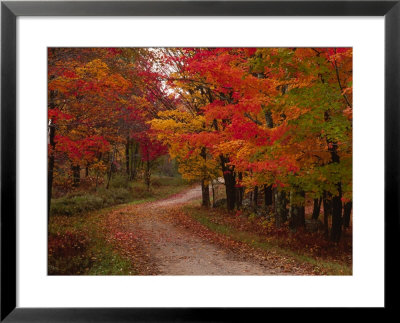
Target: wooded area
(274, 125)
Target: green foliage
(118, 181)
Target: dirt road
(170, 249)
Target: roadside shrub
(140, 191)
(70, 205)
(87, 202)
(120, 191)
(118, 181)
(156, 182)
(114, 196)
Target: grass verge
(120, 191)
(77, 245)
(209, 219)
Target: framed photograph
(197, 160)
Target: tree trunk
(327, 204)
(230, 182)
(267, 196)
(76, 175)
(239, 193)
(229, 178)
(280, 208)
(111, 168)
(238, 199)
(205, 193)
(317, 208)
(336, 231)
(297, 210)
(205, 190)
(127, 156)
(255, 198)
(347, 213)
(147, 172)
(268, 119)
(213, 193)
(134, 164)
(109, 177)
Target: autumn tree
(99, 101)
(277, 119)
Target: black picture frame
(11, 10)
